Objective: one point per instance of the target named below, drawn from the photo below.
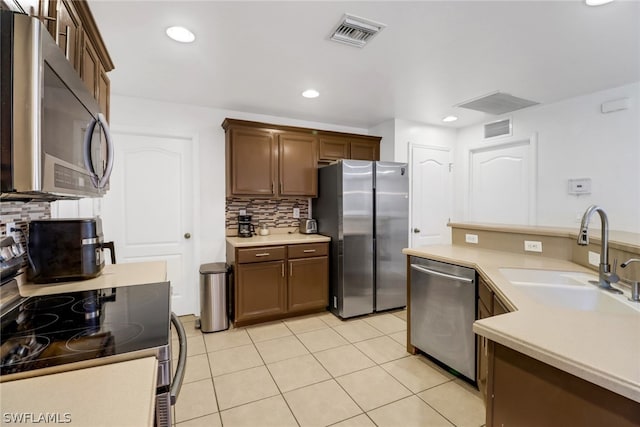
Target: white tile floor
(318, 371)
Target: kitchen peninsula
(565, 356)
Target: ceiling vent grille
(355, 31)
(497, 103)
(498, 128)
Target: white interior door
(148, 211)
(430, 195)
(502, 183)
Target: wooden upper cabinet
(104, 91)
(365, 150)
(332, 148)
(251, 164)
(298, 164)
(68, 31)
(89, 66)
(282, 161)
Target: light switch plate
(296, 212)
(243, 212)
(471, 238)
(594, 258)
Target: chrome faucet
(606, 276)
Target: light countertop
(113, 276)
(601, 348)
(276, 239)
(119, 394)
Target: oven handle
(176, 383)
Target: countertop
(119, 394)
(276, 239)
(601, 348)
(113, 276)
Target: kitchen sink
(568, 289)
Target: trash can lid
(213, 268)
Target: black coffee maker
(245, 228)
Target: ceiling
(259, 56)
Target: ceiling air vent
(497, 103)
(497, 128)
(355, 31)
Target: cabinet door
(365, 150)
(67, 31)
(104, 91)
(298, 165)
(308, 283)
(333, 148)
(252, 165)
(260, 290)
(89, 65)
(483, 358)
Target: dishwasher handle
(437, 273)
(176, 384)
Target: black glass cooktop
(53, 330)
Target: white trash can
(213, 297)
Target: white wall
(387, 131)
(420, 133)
(575, 140)
(209, 174)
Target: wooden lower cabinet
(488, 305)
(483, 355)
(261, 290)
(526, 392)
(274, 282)
(308, 284)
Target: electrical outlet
(471, 238)
(532, 246)
(594, 258)
(242, 212)
(11, 226)
(296, 212)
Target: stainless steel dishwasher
(443, 309)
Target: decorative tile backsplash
(276, 213)
(21, 213)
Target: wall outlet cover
(471, 238)
(594, 258)
(296, 212)
(9, 232)
(242, 212)
(532, 246)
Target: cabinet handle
(283, 269)
(290, 269)
(263, 254)
(306, 251)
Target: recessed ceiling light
(311, 93)
(450, 119)
(181, 34)
(597, 2)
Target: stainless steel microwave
(54, 140)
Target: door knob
(187, 235)
(416, 230)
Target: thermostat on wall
(580, 186)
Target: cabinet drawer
(308, 250)
(266, 253)
(485, 294)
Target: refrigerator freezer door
(392, 230)
(357, 233)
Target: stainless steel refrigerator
(363, 206)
